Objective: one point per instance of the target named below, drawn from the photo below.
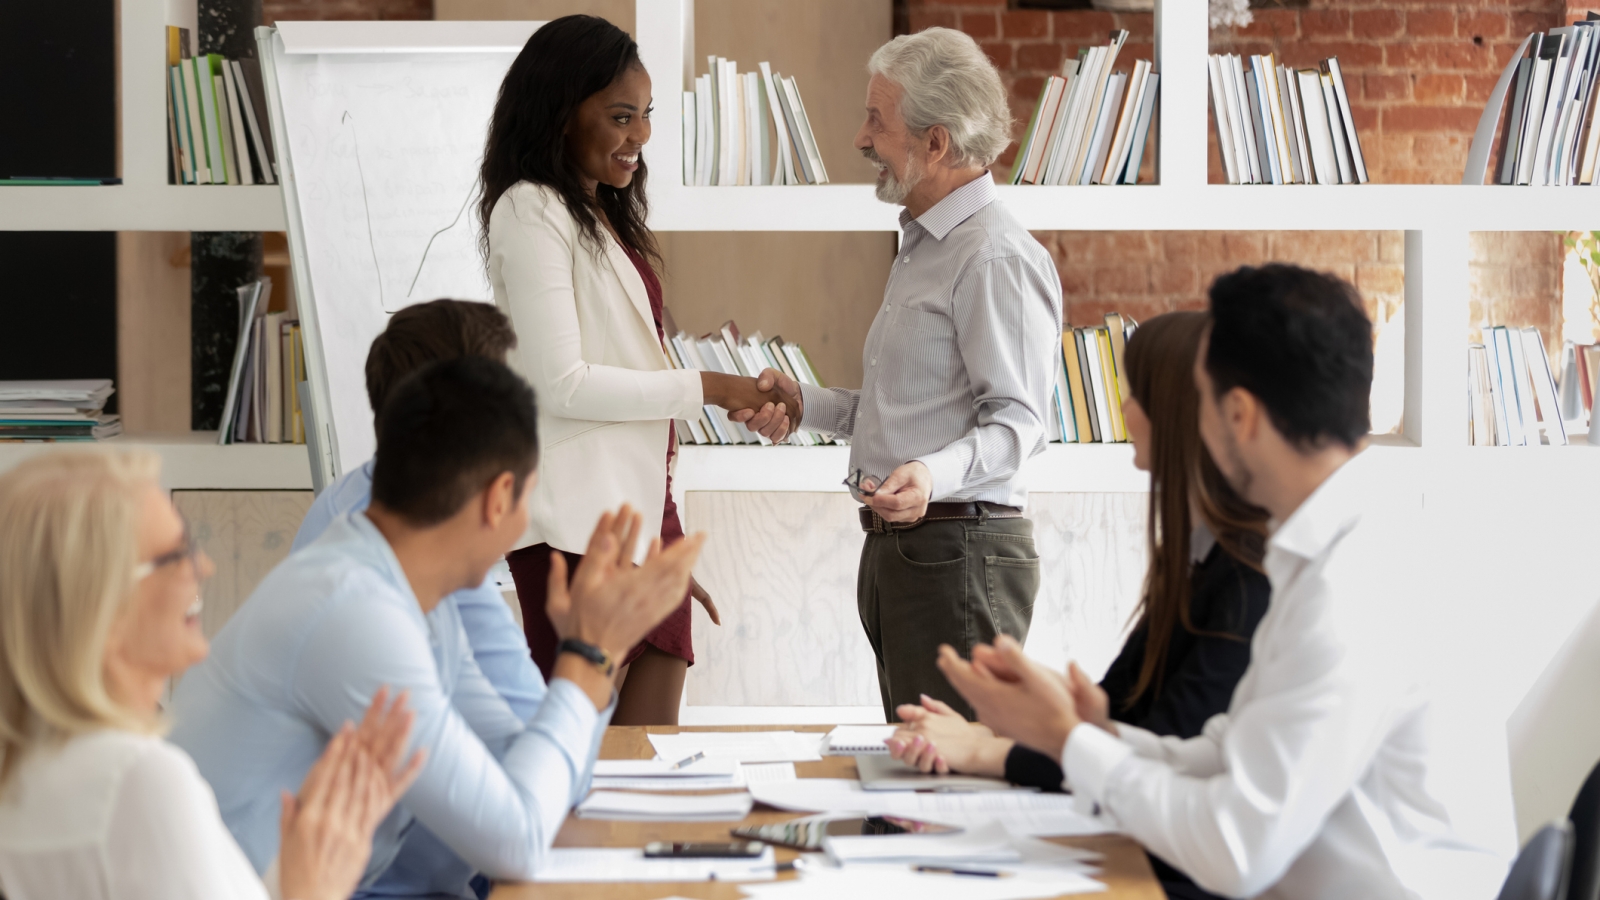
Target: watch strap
(596, 656)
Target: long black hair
(566, 61)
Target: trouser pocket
(1010, 586)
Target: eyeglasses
(855, 480)
(187, 549)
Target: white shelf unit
(144, 201)
(192, 460)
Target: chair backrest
(1585, 816)
(1540, 871)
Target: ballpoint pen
(687, 760)
(945, 870)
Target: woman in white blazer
(99, 610)
(574, 266)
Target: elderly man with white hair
(957, 374)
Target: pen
(687, 760)
(943, 870)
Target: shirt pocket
(919, 360)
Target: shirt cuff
(1142, 742)
(694, 394)
(947, 467)
(819, 413)
(1088, 758)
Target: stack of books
(1512, 395)
(725, 135)
(1091, 381)
(217, 129)
(263, 401)
(1277, 125)
(1548, 135)
(731, 353)
(1090, 123)
(50, 411)
(1580, 382)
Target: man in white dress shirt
(1316, 782)
(956, 374)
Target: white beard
(893, 190)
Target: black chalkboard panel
(58, 85)
(58, 305)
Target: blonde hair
(68, 550)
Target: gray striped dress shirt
(959, 363)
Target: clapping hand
(611, 603)
(1014, 695)
(932, 737)
(774, 421)
(325, 834)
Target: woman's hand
(1094, 706)
(745, 400)
(704, 599)
(325, 834)
(935, 738)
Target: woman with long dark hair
(1204, 592)
(573, 264)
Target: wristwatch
(601, 659)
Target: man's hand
(746, 399)
(774, 422)
(903, 496)
(702, 597)
(1013, 695)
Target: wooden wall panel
(153, 330)
(782, 570)
(245, 533)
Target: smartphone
(806, 834)
(703, 850)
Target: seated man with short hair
(1318, 783)
(363, 607)
(415, 336)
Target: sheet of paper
(662, 768)
(744, 746)
(628, 806)
(990, 843)
(1036, 814)
(570, 864)
(769, 773)
(871, 880)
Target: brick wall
(1419, 72)
(301, 10)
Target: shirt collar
(956, 207)
(1200, 543)
(1329, 512)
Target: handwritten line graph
(348, 120)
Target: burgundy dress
(530, 566)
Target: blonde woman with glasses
(99, 608)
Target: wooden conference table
(1125, 869)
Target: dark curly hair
(564, 63)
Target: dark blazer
(1227, 597)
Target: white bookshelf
(1435, 218)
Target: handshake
(769, 405)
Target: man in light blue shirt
(364, 606)
(415, 336)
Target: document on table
(1039, 815)
(630, 864)
(735, 775)
(990, 843)
(874, 880)
(631, 807)
(744, 746)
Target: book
(1100, 138)
(1219, 115)
(1357, 160)
(1117, 158)
(239, 143)
(1513, 124)
(250, 298)
(256, 116)
(1480, 420)
(797, 149)
(1544, 389)
(1341, 149)
(1020, 160)
(197, 124)
(784, 170)
(178, 123)
(1062, 396)
(805, 130)
(1111, 389)
(858, 740)
(1318, 136)
(1245, 121)
(1074, 370)
(705, 130)
(1141, 131)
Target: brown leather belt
(872, 523)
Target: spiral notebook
(857, 740)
